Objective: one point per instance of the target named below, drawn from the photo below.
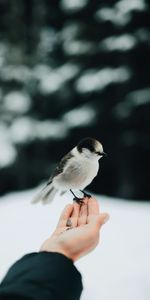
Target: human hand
(83, 236)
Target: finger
(76, 210)
(75, 214)
(100, 220)
(103, 218)
(65, 215)
(93, 208)
(82, 220)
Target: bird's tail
(46, 195)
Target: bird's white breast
(78, 173)
(88, 170)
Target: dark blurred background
(71, 69)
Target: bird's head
(91, 148)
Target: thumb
(103, 218)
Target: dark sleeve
(42, 276)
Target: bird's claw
(85, 194)
(80, 201)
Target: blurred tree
(71, 69)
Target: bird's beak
(104, 154)
(101, 153)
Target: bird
(75, 171)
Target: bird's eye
(98, 152)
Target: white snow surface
(119, 268)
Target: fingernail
(69, 223)
(106, 219)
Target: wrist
(55, 247)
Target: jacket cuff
(51, 270)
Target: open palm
(83, 235)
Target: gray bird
(75, 171)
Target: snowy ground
(118, 269)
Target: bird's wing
(60, 167)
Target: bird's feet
(85, 194)
(78, 200)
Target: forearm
(43, 275)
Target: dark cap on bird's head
(92, 145)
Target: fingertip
(76, 209)
(105, 217)
(85, 200)
(67, 211)
(92, 199)
(69, 205)
(93, 207)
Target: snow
(126, 6)
(80, 117)
(52, 80)
(94, 80)
(17, 102)
(8, 152)
(26, 129)
(133, 100)
(123, 42)
(74, 5)
(78, 47)
(117, 269)
(17, 72)
(112, 15)
(53, 129)
(120, 13)
(3, 51)
(48, 39)
(71, 30)
(139, 97)
(22, 130)
(143, 34)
